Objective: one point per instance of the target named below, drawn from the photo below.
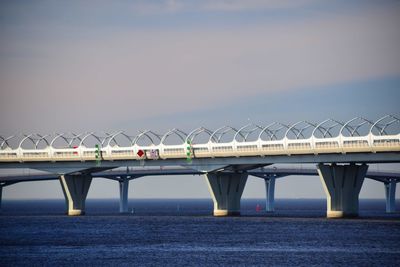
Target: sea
(183, 232)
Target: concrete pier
(1, 195)
(226, 190)
(123, 195)
(390, 193)
(342, 185)
(269, 194)
(75, 189)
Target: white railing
(312, 145)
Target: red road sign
(140, 153)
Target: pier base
(226, 190)
(270, 194)
(75, 189)
(390, 193)
(342, 185)
(123, 195)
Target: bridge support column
(390, 193)
(342, 185)
(226, 190)
(123, 195)
(75, 189)
(1, 195)
(270, 194)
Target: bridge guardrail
(339, 145)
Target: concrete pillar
(226, 190)
(1, 195)
(270, 194)
(75, 189)
(342, 185)
(123, 195)
(390, 193)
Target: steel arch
(239, 132)
(68, 140)
(5, 141)
(326, 129)
(272, 133)
(354, 129)
(87, 136)
(113, 136)
(182, 135)
(193, 134)
(381, 130)
(293, 129)
(26, 137)
(42, 138)
(220, 132)
(146, 133)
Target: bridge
(226, 156)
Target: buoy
(258, 208)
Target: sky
(79, 66)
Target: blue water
(183, 233)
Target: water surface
(182, 232)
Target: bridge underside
(209, 164)
(342, 184)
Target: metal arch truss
(191, 137)
(114, 136)
(69, 141)
(272, 130)
(296, 131)
(352, 129)
(246, 131)
(182, 135)
(381, 126)
(149, 135)
(217, 135)
(325, 128)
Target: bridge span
(269, 174)
(342, 157)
